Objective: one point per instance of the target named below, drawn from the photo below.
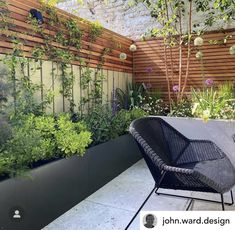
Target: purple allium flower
(149, 69)
(149, 86)
(114, 104)
(209, 82)
(175, 88)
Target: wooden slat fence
(218, 64)
(89, 52)
(117, 73)
(47, 75)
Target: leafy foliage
(228, 112)
(177, 24)
(5, 130)
(65, 54)
(71, 138)
(19, 84)
(99, 122)
(181, 108)
(131, 98)
(4, 88)
(42, 138)
(26, 146)
(154, 105)
(96, 30)
(214, 103)
(122, 120)
(105, 126)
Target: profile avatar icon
(150, 221)
(17, 214)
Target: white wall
(117, 16)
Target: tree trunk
(169, 36)
(180, 55)
(189, 51)
(167, 75)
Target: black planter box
(56, 187)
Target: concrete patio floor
(113, 206)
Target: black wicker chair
(177, 162)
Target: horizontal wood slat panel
(26, 4)
(217, 63)
(19, 11)
(92, 62)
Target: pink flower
(175, 88)
(209, 82)
(149, 69)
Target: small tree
(177, 26)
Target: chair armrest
(201, 141)
(188, 177)
(177, 169)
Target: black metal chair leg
(222, 201)
(155, 187)
(189, 205)
(140, 208)
(195, 198)
(231, 192)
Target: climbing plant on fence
(68, 36)
(20, 87)
(61, 47)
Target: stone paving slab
(113, 206)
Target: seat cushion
(218, 174)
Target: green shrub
(36, 138)
(4, 88)
(228, 112)
(28, 146)
(182, 108)
(226, 90)
(25, 147)
(98, 122)
(123, 119)
(106, 126)
(42, 138)
(71, 138)
(5, 130)
(6, 166)
(153, 105)
(214, 103)
(131, 98)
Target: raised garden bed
(56, 187)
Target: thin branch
(171, 56)
(189, 50)
(180, 52)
